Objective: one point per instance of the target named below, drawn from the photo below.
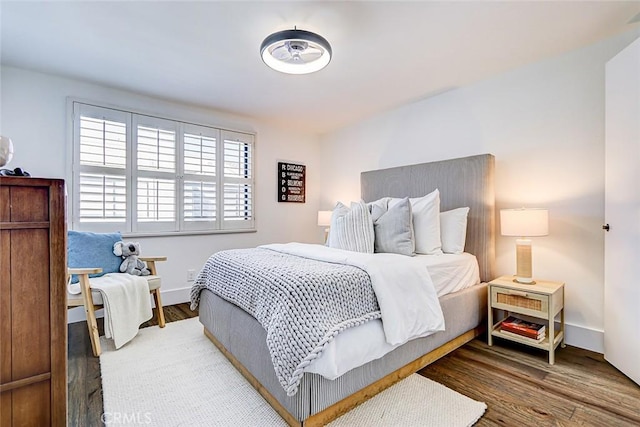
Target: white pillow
(393, 228)
(453, 230)
(426, 222)
(351, 228)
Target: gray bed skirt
(245, 339)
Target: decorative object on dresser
(6, 154)
(542, 300)
(33, 315)
(6, 150)
(15, 172)
(524, 223)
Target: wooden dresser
(33, 315)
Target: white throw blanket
(126, 304)
(407, 298)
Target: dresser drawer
(520, 301)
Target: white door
(622, 213)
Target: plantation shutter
(237, 180)
(100, 163)
(200, 177)
(136, 173)
(154, 174)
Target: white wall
(545, 125)
(34, 115)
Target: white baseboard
(176, 296)
(588, 339)
(76, 314)
(169, 297)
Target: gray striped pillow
(351, 228)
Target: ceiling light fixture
(296, 51)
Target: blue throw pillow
(92, 250)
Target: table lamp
(524, 223)
(324, 220)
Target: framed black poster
(291, 182)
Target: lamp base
(523, 262)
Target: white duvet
(406, 295)
(364, 343)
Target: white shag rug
(175, 376)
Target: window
(141, 174)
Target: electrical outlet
(191, 275)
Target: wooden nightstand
(542, 300)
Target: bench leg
(90, 312)
(93, 330)
(158, 301)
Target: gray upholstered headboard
(467, 181)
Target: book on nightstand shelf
(524, 337)
(523, 328)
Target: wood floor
(522, 389)
(518, 385)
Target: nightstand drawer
(520, 301)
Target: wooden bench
(92, 300)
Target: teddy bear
(129, 251)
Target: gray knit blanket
(301, 303)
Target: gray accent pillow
(378, 207)
(394, 229)
(351, 228)
(426, 222)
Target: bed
(462, 182)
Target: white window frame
(131, 226)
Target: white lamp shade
(324, 218)
(524, 222)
